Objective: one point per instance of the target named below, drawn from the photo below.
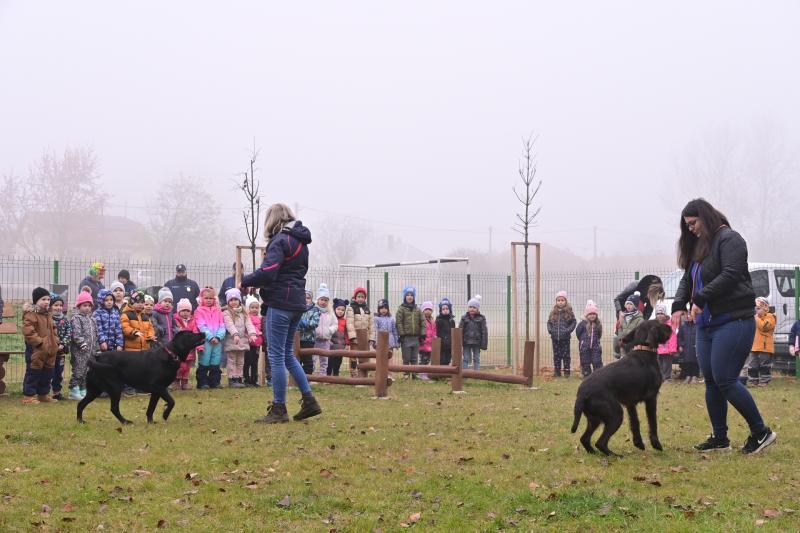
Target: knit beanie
(97, 269)
(763, 301)
(250, 300)
(55, 298)
(124, 274)
(561, 294)
(39, 293)
(164, 293)
(359, 289)
(410, 289)
(475, 302)
(591, 308)
(149, 299)
(427, 305)
(446, 302)
(137, 297)
(338, 302)
(383, 303)
(661, 309)
(84, 298)
(635, 299)
(323, 291)
(184, 303)
(309, 293)
(233, 293)
(116, 285)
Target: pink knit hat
(591, 307)
(83, 298)
(561, 294)
(184, 303)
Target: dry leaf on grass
(771, 513)
(414, 517)
(325, 473)
(143, 473)
(68, 507)
(285, 502)
(161, 524)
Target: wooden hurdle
(380, 380)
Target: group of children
(332, 324)
(680, 347)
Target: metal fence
(18, 277)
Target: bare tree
(252, 212)
(527, 219)
(39, 211)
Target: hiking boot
(308, 408)
(75, 393)
(713, 444)
(29, 400)
(46, 398)
(58, 396)
(276, 414)
(756, 443)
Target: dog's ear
(630, 337)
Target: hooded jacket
(387, 323)
(671, 346)
(282, 275)
(109, 326)
(186, 325)
(210, 321)
(561, 327)
(475, 331)
(328, 324)
(444, 330)
(165, 327)
(84, 334)
(307, 327)
(359, 317)
(133, 322)
(764, 340)
(589, 336)
(430, 333)
(40, 333)
(64, 331)
(237, 322)
(408, 318)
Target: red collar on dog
(644, 348)
(171, 353)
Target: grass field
(498, 458)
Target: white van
(776, 283)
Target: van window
(760, 282)
(784, 279)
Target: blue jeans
(281, 325)
(721, 352)
(472, 356)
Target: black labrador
(634, 378)
(151, 371)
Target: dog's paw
(657, 445)
(639, 444)
(127, 422)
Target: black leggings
(251, 365)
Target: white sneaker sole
(772, 438)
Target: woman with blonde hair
(282, 280)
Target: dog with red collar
(633, 379)
(151, 371)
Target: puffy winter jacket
(165, 327)
(237, 322)
(589, 336)
(561, 327)
(359, 317)
(64, 331)
(764, 340)
(210, 321)
(387, 323)
(475, 332)
(430, 333)
(283, 273)
(40, 333)
(671, 346)
(409, 320)
(308, 324)
(109, 327)
(258, 322)
(186, 325)
(444, 330)
(629, 323)
(327, 325)
(339, 341)
(84, 334)
(726, 288)
(133, 322)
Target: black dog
(634, 378)
(151, 371)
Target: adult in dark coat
(228, 283)
(124, 277)
(183, 287)
(717, 289)
(687, 350)
(282, 279)
(650, 289)
(93, 280)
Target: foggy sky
(406, 112)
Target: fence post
(362, 343)
(469, 287)
(382, 364)
(527, 365)
(55, 271)
(457, 381)
(368, 289)
(636, 275)
(508, 320)
(796, 312)
(385, 285)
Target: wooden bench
(6, 328)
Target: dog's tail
(578, 411)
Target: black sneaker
(308, 408)
(276, 414)
(756, 443)
(713, 444)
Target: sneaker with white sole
(756, 443)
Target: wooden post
(458, 351)
(382, 365)
(514, 311)
(362, 343)
(436, 351)
(527, 369)
(538, 307)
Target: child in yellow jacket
(759, 368)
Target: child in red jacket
(184, 321)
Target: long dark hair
(690, 247)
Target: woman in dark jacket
(282, 278)
(717, 288)
(651, 290)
